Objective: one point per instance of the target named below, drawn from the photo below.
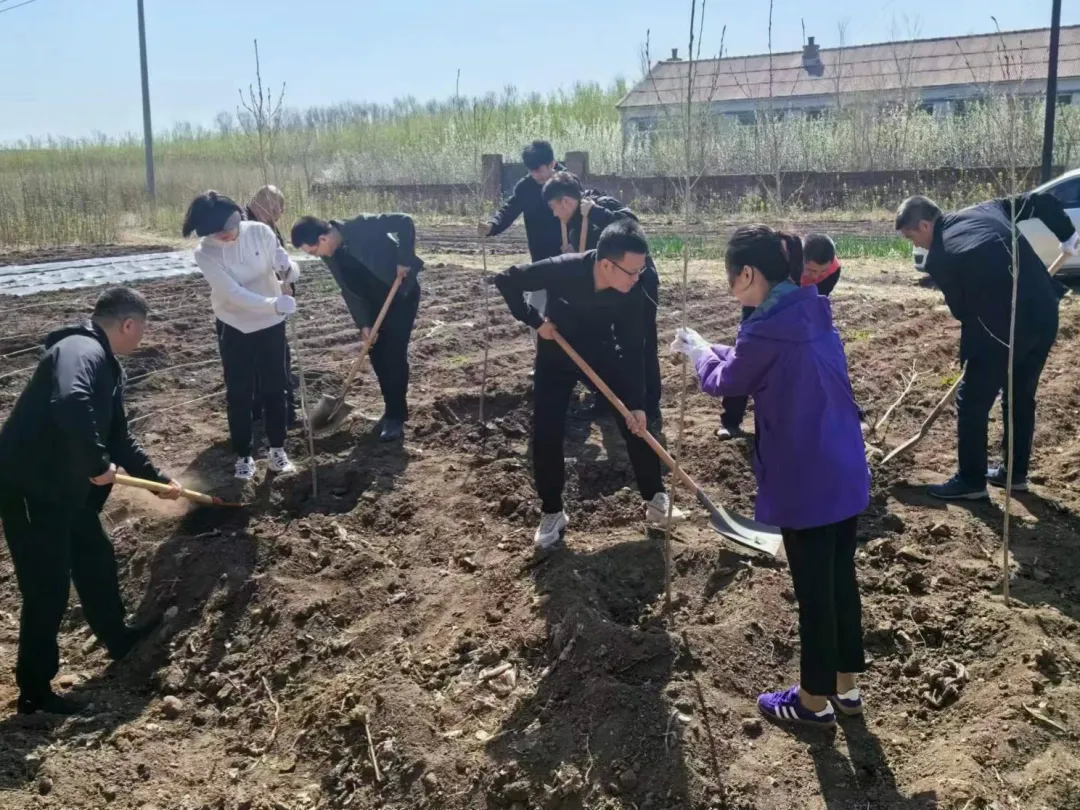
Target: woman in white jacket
(247, 269)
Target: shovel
(329, 412)
(929, 421)
(748, 533)
(584, 238)
(154, 486)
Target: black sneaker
(50, 703)
(956, 489)
(393, 430)
(996, 477)
(132, 638)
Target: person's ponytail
(208, 213)
(793, 250)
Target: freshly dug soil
(395, 643)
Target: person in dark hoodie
(597, 306)
(572, 204)
(969, 257)
(810, 463)
(365, 254)
(541, 227)
(60, 449)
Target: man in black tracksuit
(541, 227)
(572, 204)
(970, 260)
(598, 307)
(59, 451)
(365, 254)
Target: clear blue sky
(71, 67)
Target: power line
(20, 5)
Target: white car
(1067, 189)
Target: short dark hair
(208, 213)
(818, 248)
(770, 251)
(537, 154)
(621, 237)
(118, 304)
(307, 230)
(914, 210)
(562, 184)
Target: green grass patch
(949, 380)
(849, 246)
(457, 361)
(857, 335)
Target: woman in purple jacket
(809, 460)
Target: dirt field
(401, 621)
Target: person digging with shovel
(811, 469)
(578, 208)
(597, 305)
(59, 452)
(366, 255)
(969, 257)
(247, 271)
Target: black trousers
(290, 392)
(986, 377)
(52, 547)
(247, 357)
(735, 407)
(652, 361)
(553, 383)
(822, 563)
(390, 356)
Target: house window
(1064, 99)
(927, 108)
(746, 118)
(814, 115)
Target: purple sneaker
(849, 703)
(785, 707)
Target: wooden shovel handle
(584, 238)
(622, 409)
(159, 488)
(565, 235)
(1058, 262)
(371, 338)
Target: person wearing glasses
(597, 305)
(576, 207)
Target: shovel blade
(740, 530)
(328, 413)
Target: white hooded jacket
(245, 276)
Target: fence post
(578, 163)
(492, 168)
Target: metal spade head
(745, 532)
(328, 413)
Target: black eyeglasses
(631, 273)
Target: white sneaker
(656, 510)
(245, 468)
(279, 461)
(551, 529)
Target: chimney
(811, 58)
(675, 55)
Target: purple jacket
(809, 459)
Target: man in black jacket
(572, 204)
(597, 306)
(365, 254)
(541, 227)
(59, 451)
(970, 260)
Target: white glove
(281, 260)
(291, 274)
(285, 305)
(690, 343)
(1072, 244)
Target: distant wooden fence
(807, 189)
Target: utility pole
(148, 132)
(1051, 91)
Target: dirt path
(406, 603)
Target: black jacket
(542, 228)
(250, 215)
(69, 424)
(374, 245)
(970, 260)
(605, 211)
(591, 321)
